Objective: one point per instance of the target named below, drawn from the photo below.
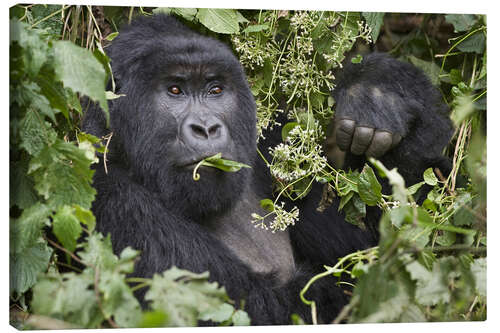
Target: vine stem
(330, 270)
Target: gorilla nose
(209, 133)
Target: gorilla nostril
(199, 131)
(214, 131)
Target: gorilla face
(188, 101)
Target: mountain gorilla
(186, 98)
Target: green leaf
(414, 188)
(36, 50)
(223, 21)
(395, 179)
(285, 130)
(478, 269)
(216, 161)
(475, 43)
(256, 28)
(357, 59)
(66, 227)
(218, 314)
(85, 216)
(118, 300)
(35, 134)
(112, 36)
(80, 71)
(22, 192)
(429, 68)
(399, 215)
(267, 204)
(26, 265)
(240, 318)
(70, 297)
(461, 22)
(63, 176)
(430, 177)
(184, 296)
(26, 231)
(369, 188)
(151, 319)
(432, 286)
(375, 22)
(355, 211)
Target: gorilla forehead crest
(155, 44)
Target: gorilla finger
(361, 139)
(344, 130)
(396, 138)
(381, 142)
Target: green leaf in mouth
(216, 161)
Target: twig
(441, 178)
(108, 139)
(54, 244)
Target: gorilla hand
(359, 140)
(377, 103)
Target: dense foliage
(430, 264)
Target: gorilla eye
(174, 90)
(215, 90)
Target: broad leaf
(80, 71)
(223, 21)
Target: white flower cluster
(250, 51)
(282, 219)
(300, 155)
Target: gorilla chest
(262, 250)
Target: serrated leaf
(80, 71)
(70, 297)
(369, 189)
(85, 216)
(461, 22)
(475, 43)
(432, 286)
(218, 314)
(22, 192)
(35, 134)
(26, 265)
(375, 22)
(118, 300)
(63, 176)
(36, 50)
(26, 231)
(66, 227)
(184, 296)
(429, 68)
(223, 21)
(429, 177)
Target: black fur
(148, 201)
